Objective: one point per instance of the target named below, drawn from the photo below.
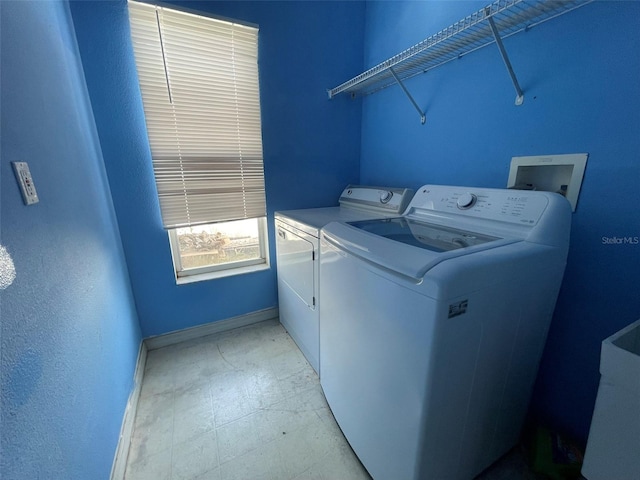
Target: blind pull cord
(164, 60)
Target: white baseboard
(166, 339)
(122, 450)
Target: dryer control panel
(512, 206)
(385, 199)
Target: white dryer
(433, 325)
(297, 252)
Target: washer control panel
(513, 206)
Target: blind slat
(199, 82)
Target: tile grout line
(173, 422)
(215, 423)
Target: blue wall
(311, 146)
(69, 329)
(580, 76)
(70, 332)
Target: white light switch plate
(27, 188)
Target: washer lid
(400, 254)
(436, 238)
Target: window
(199, 83)
(219, 246)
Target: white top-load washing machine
(297, 251)
(433, 325)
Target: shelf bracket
(505, 57)
(423, 117)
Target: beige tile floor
(246, 405)
(243, 404)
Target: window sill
(222, 273)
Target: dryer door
(296, 262)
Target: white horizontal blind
(199, 83)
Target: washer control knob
(466, 200)
(385, 196)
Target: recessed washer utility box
(550, 173)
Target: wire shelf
(461, 38)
